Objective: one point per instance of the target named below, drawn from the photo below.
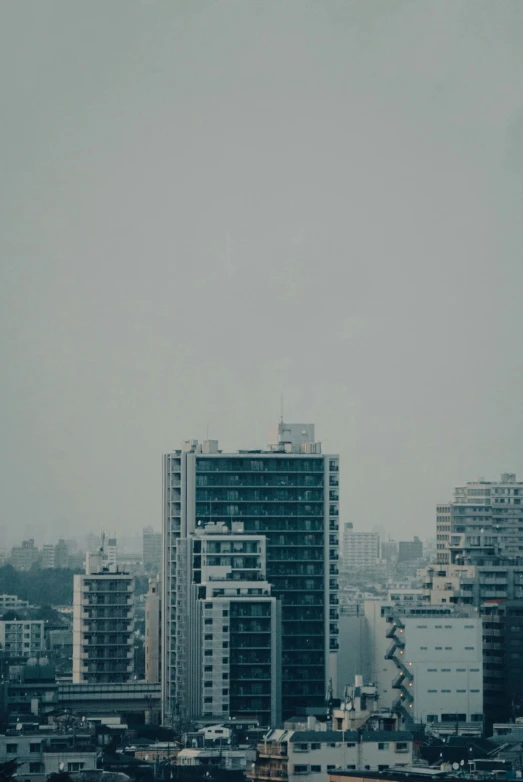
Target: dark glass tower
(289, 494)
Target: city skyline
(235, 201)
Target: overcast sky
(210, 203)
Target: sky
(208, 204)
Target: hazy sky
(209, 203)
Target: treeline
(39, 587)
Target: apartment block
(22, 638)
(103, 612)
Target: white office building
(428, 664)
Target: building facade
(22, 638)
(428, 664)
(361, 550)
(485, 520)
(152, 550)
(103, 612)
(153, 637)
(287, 494)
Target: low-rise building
(40, 754)
(22, 638)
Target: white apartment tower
(485, 520)
(103, 612)
(287, 495)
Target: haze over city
(208, 205)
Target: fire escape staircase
(403, 681)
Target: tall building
(361, 550)
(485, 520)
(61, 555)
(103, 613)
(287, 494)
(48, 556)
(228, 640)
(25, 556)
(152, 550)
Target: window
(446, 691)
(383, 744)
(432, 670)
(208, 637)
(225, 692)
(207, 653)
(423, 648)
(75, 766)
(36, 768)
(448, 648)
(208, 669)
(316, 769)
(226, 644)
(301, 769)
(301, 748)
(402, 746)
(469, 648)
(208, 699)
(315, 745)
(34, 747)
(208, 621)
(331, 768)
(207, 684)
(225, 675)
(11, 749)
(431, 690)
(439, 648)
(474, 690)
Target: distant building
(361, 550)
(485, 519)
(410, 550)
(389, 551)
(22, 638)
(12, 603)
(102, 624)
(47, 561)
(152, 550)
(153, 608)
(110, 552)
(25, 556)
(61, 555)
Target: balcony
(272, 750)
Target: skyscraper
(287, 494)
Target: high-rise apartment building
(485, 520)
(287, 494)
(152, 550)
(103, 612)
